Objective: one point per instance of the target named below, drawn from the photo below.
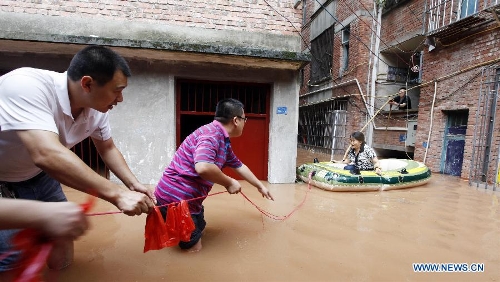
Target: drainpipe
(370, 58)
(376, 49)
(432, 118)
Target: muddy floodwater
(333, 236)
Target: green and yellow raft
(396, 174)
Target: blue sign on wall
(281, 110)
(402, 137)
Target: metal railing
(485, 150)
(441, 13)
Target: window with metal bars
(324, 125)
(198, 100)
(322, 55)
(87, 152)
(202, 97)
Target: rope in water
(264, 212)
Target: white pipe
(371, 110)
(372, 42)
(432, 118)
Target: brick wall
(461, 58)
(360, 30)
(403, 20)
(275, 16)
(360, 40)
(389, 138)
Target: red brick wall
(253, 16)
(358, 59)
(386, 137)
(403, 20)
(460, 90)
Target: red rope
(276, 217)
(32, 270)
(174, 203)
(264, 212)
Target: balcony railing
(442, 13)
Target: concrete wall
(144, 124)
(283, 132)
(241, 41)
(144, 127)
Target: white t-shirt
(38, 99)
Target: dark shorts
(41, 188)
(199, 223)
(353, 169)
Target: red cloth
(35, 250)
(177, 227)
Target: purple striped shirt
(209, 143)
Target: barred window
(324, 125)
(322, 55)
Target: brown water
(364, 236)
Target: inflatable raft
(396, 174)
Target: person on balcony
(402, 101)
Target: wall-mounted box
(411, 133)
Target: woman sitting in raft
(360, 156)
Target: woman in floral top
(361, 156)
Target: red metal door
(251, 147)
(196, 106)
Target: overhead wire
(375, 20)
(306, 44)
(355, 36)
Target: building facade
(459, 91)
(184, 56)
(445, 53)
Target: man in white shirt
(42, 115)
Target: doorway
(196, 107)
(87, 152)
(454, 142)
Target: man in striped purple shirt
(198, 163)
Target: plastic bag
(177, 227)
(34, 253)
(186, 224)
(35, 250)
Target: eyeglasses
(243, 118)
